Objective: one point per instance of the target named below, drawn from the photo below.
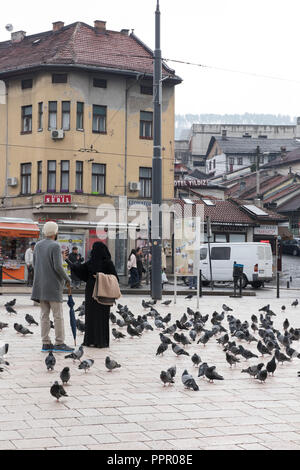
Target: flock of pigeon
(224, 328)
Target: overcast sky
(257, 36)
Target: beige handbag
(106, 290)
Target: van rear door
(222, 266)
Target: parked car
(256, 258)
(291, 247)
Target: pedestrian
(132, 268)
(48, 286)
(139, 265)
(96, 315)
(29, 264)
(75, 258)
(164, 278)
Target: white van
(256, 258)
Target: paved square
(129, 408)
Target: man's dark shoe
(47, 347)
(62, 348)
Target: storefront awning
(19, 230)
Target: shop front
(15, 238)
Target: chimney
(18, 36)
(224, 133)
(58, 25)
(283, 153)
(100, 26)
(125, 32)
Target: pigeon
(110, 364)
(159, 324)
(262, 348)
(212, 375)
(3, 325)
(193, 335)
(167, 302)
(246, 353)
(178, 350)
(202, 369)
(184, 340)
(30, 320)
(4, 350)
(80, 325)
(231, 359)
(189, 297)
(196, 359)
(166, 378)
(188, 381)
(11, 303)
(65, 375)
(265, 309)
(161, 349)
(3, 362)
(271, 366)
(117, 334)
(170, 330)
(58, 391)
(172, 371)
(262, 375)
(292, 353)
(180, 326)
(120, 322)
(86, 364)
(23, 331)
(283, 308)
(167, 319)
(281, 357)
(223, 340)
(204, 339)
(165, 339)
(286, 324)
(190, 311)
(113, 318)
(9, 309)
(254, 319)
(132, 331)
(50, 361)
(226, 308)
(76, 355)
(295, 303)
(253, 370)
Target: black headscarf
(100, 256)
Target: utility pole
(156, 226)
(257, 172)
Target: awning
(19, 230)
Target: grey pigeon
(165, 377)
(132, 332)
(65, 375)
(231, 359)
(3, 325)
(76, 355)
(167, 302)
(188, 381)
(161, 349)
(212, 375)
(30, 320)
(271, 366)
(11, 303)
(117, 334)
(286, 324)
(253, 370)
(9, 309)
(4, 350)
(58, 391)
(189, 297)
(193, 335)
(167, 318)
(281, 357)
(86, 364)
(262, 375)
(292, 353)
(110, 364)
(246, 353)
(172, 371)
(165, 339)
(202, 369)
(295, 303)
(196, 359)
(262, 348)
(22, 330)
(178, 350)
(50, 361)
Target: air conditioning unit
(57, 134)
(12, 181)
(134, 186)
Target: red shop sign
(58, 199)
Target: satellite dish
(9, 27)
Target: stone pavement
(130, 409)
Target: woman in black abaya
(96, 315)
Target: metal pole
(257, 172)
(156, 232)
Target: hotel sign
(271, 230)
(58, 199)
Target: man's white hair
(50, 228)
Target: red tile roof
(79, 44)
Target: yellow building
(76, 111)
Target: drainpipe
(6, 145)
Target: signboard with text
(58, 199)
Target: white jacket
(29, 256)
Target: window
(98, 178)
(220, 238)
(79, 177)
(26, 178)
(237, 237)
(146, 182)
(146, 125)
(40, 116)
(99, 119)
(231, 161)
(99, 83)
(146, 90)
(66, 111)
(39, 177)
(25, 84)
(214, 164)
(220, 253)
(64, 176)
(80, 116)
(203, 254)
(210, 165)
(59, 78)
(26, 119)
(51, 181)
(240, 161)
(52, 115)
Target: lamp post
(156, 226)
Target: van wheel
(244, 281)
(256, 284)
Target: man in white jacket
(29, 263)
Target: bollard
(278, 293)
(200, 283)
(287, 284)
(291, 279)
